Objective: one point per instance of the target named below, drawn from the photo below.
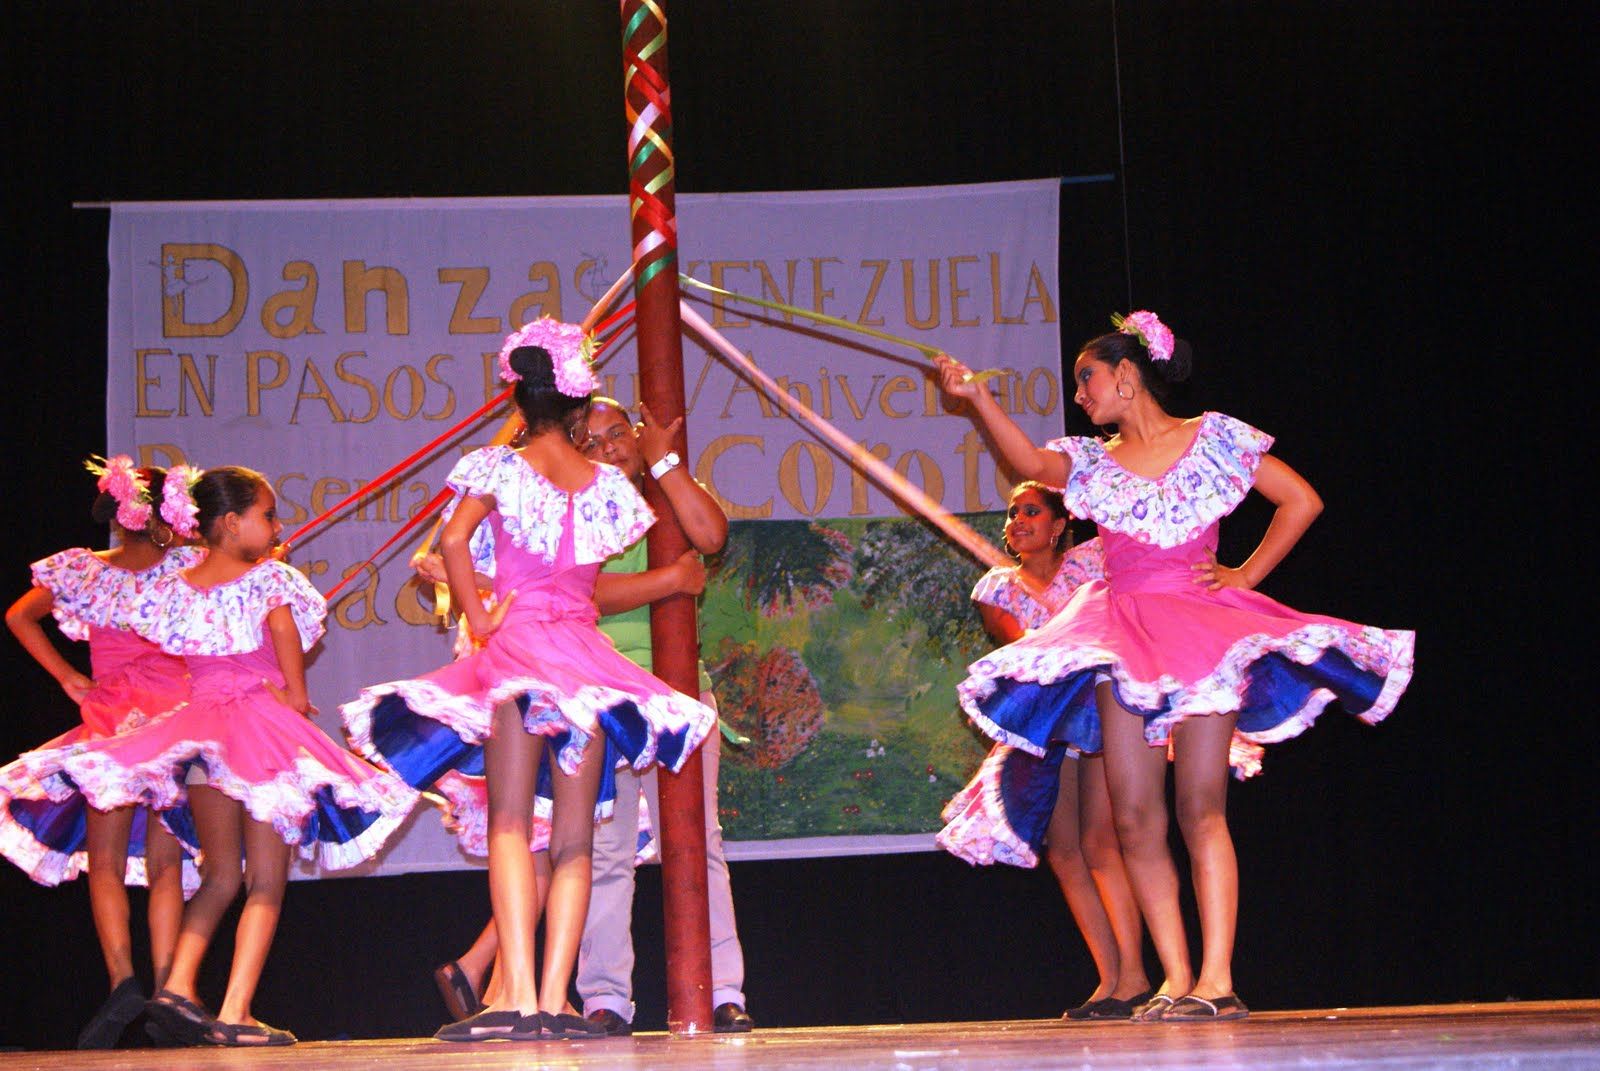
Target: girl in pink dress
(1172, 647)
(1018, 802)
(55, 837)
(257, 773)
(544, 676)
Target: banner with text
(322, 341)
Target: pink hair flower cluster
(569, 349)
(1147, 327)
(178, 507)
(122, 480)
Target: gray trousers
(605, 958)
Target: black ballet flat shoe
(180, 1019)
(1083, 1011)
(246, 1035)
(493, 1026)
(1193, 1009)
(455, 989)
(614, 1025)
(1119, 1010)
(568, 1027)
(729, 1018)
(120, 1008)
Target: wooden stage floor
(1533, 1035)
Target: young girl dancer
(1018, 802)
(257, 773)
(543, 670)
(1175, 646)
(91, 595)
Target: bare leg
(1136, 776)
(107, 843)
(163, 868)
(571, 842)
(477, 961)
(510, 760)
(1098, 834)
(266, 875)
(219, 822)
(541, 885)
(1064, 852)
(1200, 748)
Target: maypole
(674, 633)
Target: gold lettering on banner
(858, 479)
(189, 379)
(322, 393)
(741, 387)
(175, 281)
(705, 472)
(380, 505)
(800, 392)
(820, 293)
(932, 481)
(719, 309)
(253, 383)
(359, 608)
(908, 280)
(821, 474)
(491, 375)
(289, 510)
(1030, 391)
(361, 281)
(473, 282)
(897, 385)
(326, 491)
(161, 455)
(313, 569)
(857, 408)
(408, 602)
(537, 303)
(431, 370)
(770, 288)
(880, 268)
(958, 292)
(301, 303)
(699, 382)
(142, 380)
(1038, 294)
(994, 291)
(970, 449)
(415, 388)
(824, 394)
(367, 386)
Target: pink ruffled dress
(42, 829)
(548, 655)
(337, 809)
(1170, 648)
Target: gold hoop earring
(162, 543)
(1124, 397)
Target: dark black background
(1370, 220)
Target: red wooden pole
(674, 633)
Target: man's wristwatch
(668, 462)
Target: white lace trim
(88, 592)
(227, 618)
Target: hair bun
(1181, 363)
(533, 364)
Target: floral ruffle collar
(1203, 486)
(608, 514)
(1000, 587)
(89, 592)
(228, 618)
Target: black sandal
(246, 1035)
(494, 1026)
(1153, 1010)
(456, 991)
(120, 1008)
(182, 1020)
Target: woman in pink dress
(257, 773)
(1172, 647)
(544, 676)
(1019, 803)
(54, 838)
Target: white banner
(321, 341)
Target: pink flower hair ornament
(569, 349)
(1147, 327)
(178, 507)
(123, 481)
